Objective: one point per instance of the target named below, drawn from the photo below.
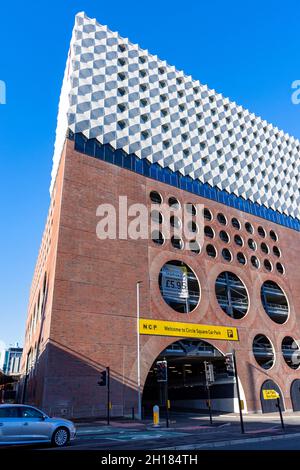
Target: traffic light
(229, 365)
(209, 372)
(161, 371)
(103, 379)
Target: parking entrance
(187, 381)
(269, 406)
(295, 395)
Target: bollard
(132, 415)
(155, 415)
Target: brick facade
(88, 320)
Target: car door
(10, 425)
(34, 426)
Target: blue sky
(250, 53)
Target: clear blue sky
(249, 51)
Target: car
(24, 424)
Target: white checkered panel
(122, 95)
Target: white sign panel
(175, 282)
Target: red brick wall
(93, 314)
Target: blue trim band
(143, 167)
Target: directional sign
(270, 394)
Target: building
(131, 125)
(12, 360)
(2, 353)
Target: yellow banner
(187, 330)
(270, 394)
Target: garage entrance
(295, 394)
(186, 379)
(269, 406)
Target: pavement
(189, 431)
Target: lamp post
(238, 391)
(138, 349)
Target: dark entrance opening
(269, 406)
(295, 394)
(186, 379)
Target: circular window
(155, 197)
(231, 295)
(174, 203)
(226, 254)
(263, 351)
(211, 251)
(252, 244)
(156, 216)
(291, 352)
(273, 235)
(190, 208)
(235, 223)
(274, 302)
(208, 232)
(194, 247)
(179, 286)
(192, 226)
(267, 265)
(224, 236)
(175, 221)
(280, 268)
(241, 258)
(264, 248)
(221, 219)
(276, 251)
(261, 232)
(157, 237)
(249, 227)
(255, 262)
(238, 240)
(207, 214)
(177, 243)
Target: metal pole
(138, 349)
(209, 405)
(280, 412)
(108, 395)
(167, 403)
(238, 392)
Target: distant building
(12, 360)
(2, 354)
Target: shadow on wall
(64, 383)
(254, 398)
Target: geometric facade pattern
(120, 94)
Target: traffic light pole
(238, 391)
(209, 404)
(167, 403)
(108, 395)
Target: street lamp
(138, 349)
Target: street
(188, 431)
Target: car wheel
(60, 437)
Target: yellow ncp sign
(270, 394)
(187, 330)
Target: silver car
(23, 424)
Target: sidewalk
(197, 433)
